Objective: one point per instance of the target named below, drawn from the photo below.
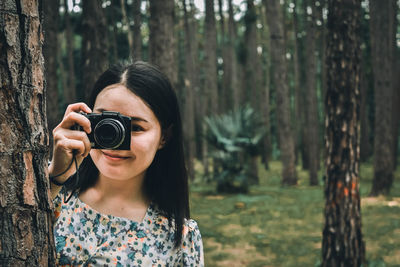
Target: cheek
(146, 143)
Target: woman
(124, 207)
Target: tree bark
(233, 63)
(382, 53)
(26, 230)
(70, 90)
(50, 52)
(210, 54)
(189, 87)
(137, 35)
(278, 60)
(94, 44)
(311, 94)
(162, 39)
(127, 26)
(342, 243)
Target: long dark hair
(166, 181)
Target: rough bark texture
(50, 51)
(210, 57)
(94, 44)
(278, 61)
(137, 35)
(381, 54)
(311, 108)
(365, 145)
(162, 40)
(342, 243)
(26, 235)
(188, 114)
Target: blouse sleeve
(192, 245)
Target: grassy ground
(276, 226)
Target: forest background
(254, 83)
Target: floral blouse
(85, 237)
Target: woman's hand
(67, 142)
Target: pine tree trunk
(162, 39)
(231, 51)
(50, 51)
(70, 90)
(127, 26)
(342, 243)
(188, 115)
(26, 230)
(382, 53)
(365, 146)
(94, 44)
(210, 54)
(311, 95)
(278, 61)
(137, 35)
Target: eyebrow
(132, 118)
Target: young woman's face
(146, 136)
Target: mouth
(114, 157)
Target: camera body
(110, 130)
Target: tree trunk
(94, 44)
(70, 90)
(188, 115)
(50, 52)
(162, 39)
(233, 63)
(137, 35)
(365, 146)
(210, 54)
(26, 230)
(225, 100)
(127, 26)
(311, 124)
(265, 98)
(342, 243)
(382, 53)
(278, 60)
(252, 66)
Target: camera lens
(109, 133)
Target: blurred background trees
(225, 54)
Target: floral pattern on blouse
(85, 237)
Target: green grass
(282, 226)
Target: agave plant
(235, 136)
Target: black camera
(110, 130)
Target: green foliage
(282, 226)
(235, 136)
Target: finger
(81, 136)
(72, 145)
(74, 118)
(77, 107)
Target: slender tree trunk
(365, 146)
(395, 74)
(126, 24)
(94, 44)
(70, 90)
(50, 51)
(342, 243)
(112, 30)
(225, 100)
(278, 60)
(162, 38)
(231, 51)
(265, 107)
(26, 230)
(382, 54)
(188, 115)
(137, 34)
(210, 54)
(311, 95)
